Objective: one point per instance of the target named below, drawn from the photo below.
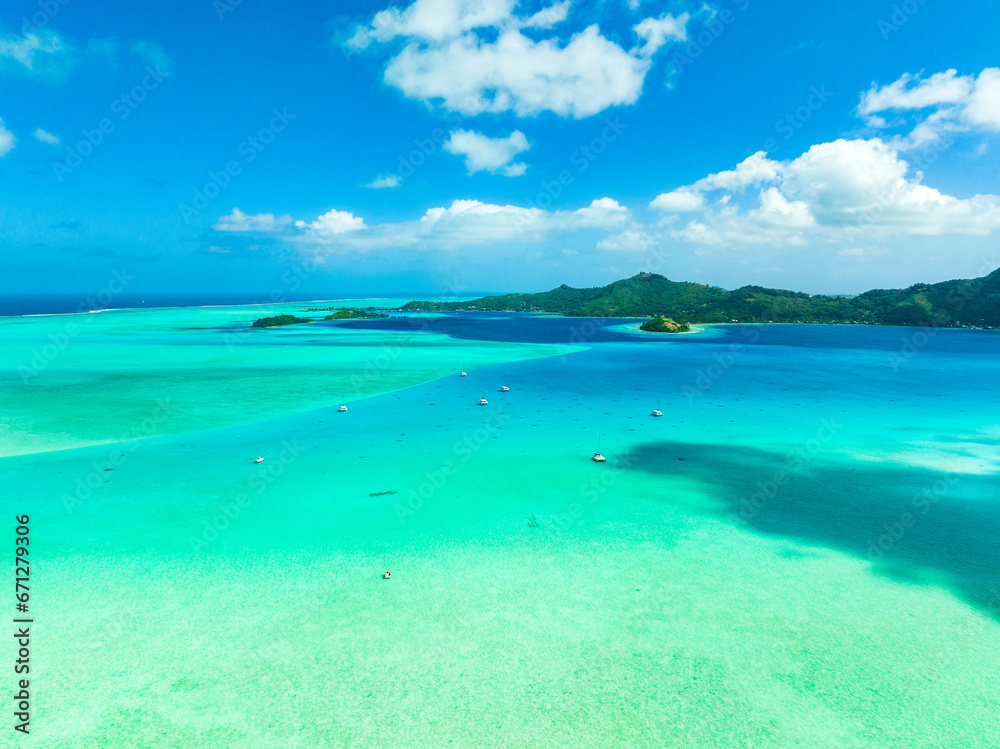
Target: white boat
(483, 402)
(259, 460)
(657, 411)
(342, 408)
(598, 458)
(462, 374)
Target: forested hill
(959, 303)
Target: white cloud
(32, 48)
(483, 153)
(601, 213)
(46, 137)
(7, 140)
(384, 180)
(330, 226)
(546, 18)
(753, 170)
(656, 31)
(473, 58)
(518, 74)
(912, 92)
(983, 107)
(238, 221)
(956, 103)
(463, 225)
(679, 200)
(834, 191)
(432, 20)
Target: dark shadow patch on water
(915, 525)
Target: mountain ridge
(961, 303)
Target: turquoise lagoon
(802, 552)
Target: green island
(962, 303)
(352, 314)
(660, 324)
(274, 322)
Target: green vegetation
(660, 324)
(353, 314)
(961, 303)
(273, 322)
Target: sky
(458, 146)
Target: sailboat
(463, 373)
(259, 460)
(504, 389)
(657, 411)
(483, 401)
(598, 458)
(343, 407)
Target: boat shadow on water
(915, 525)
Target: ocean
(804, 550)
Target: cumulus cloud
(833, 191)
(483, 153)
(331, 225)
(943, 102)
(384, 181)
(679, 200)
(473, 57)
(46, 137)
(7, 140)
(266, 223)
(464, 224)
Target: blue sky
(447, 145)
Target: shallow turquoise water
(725, 579)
